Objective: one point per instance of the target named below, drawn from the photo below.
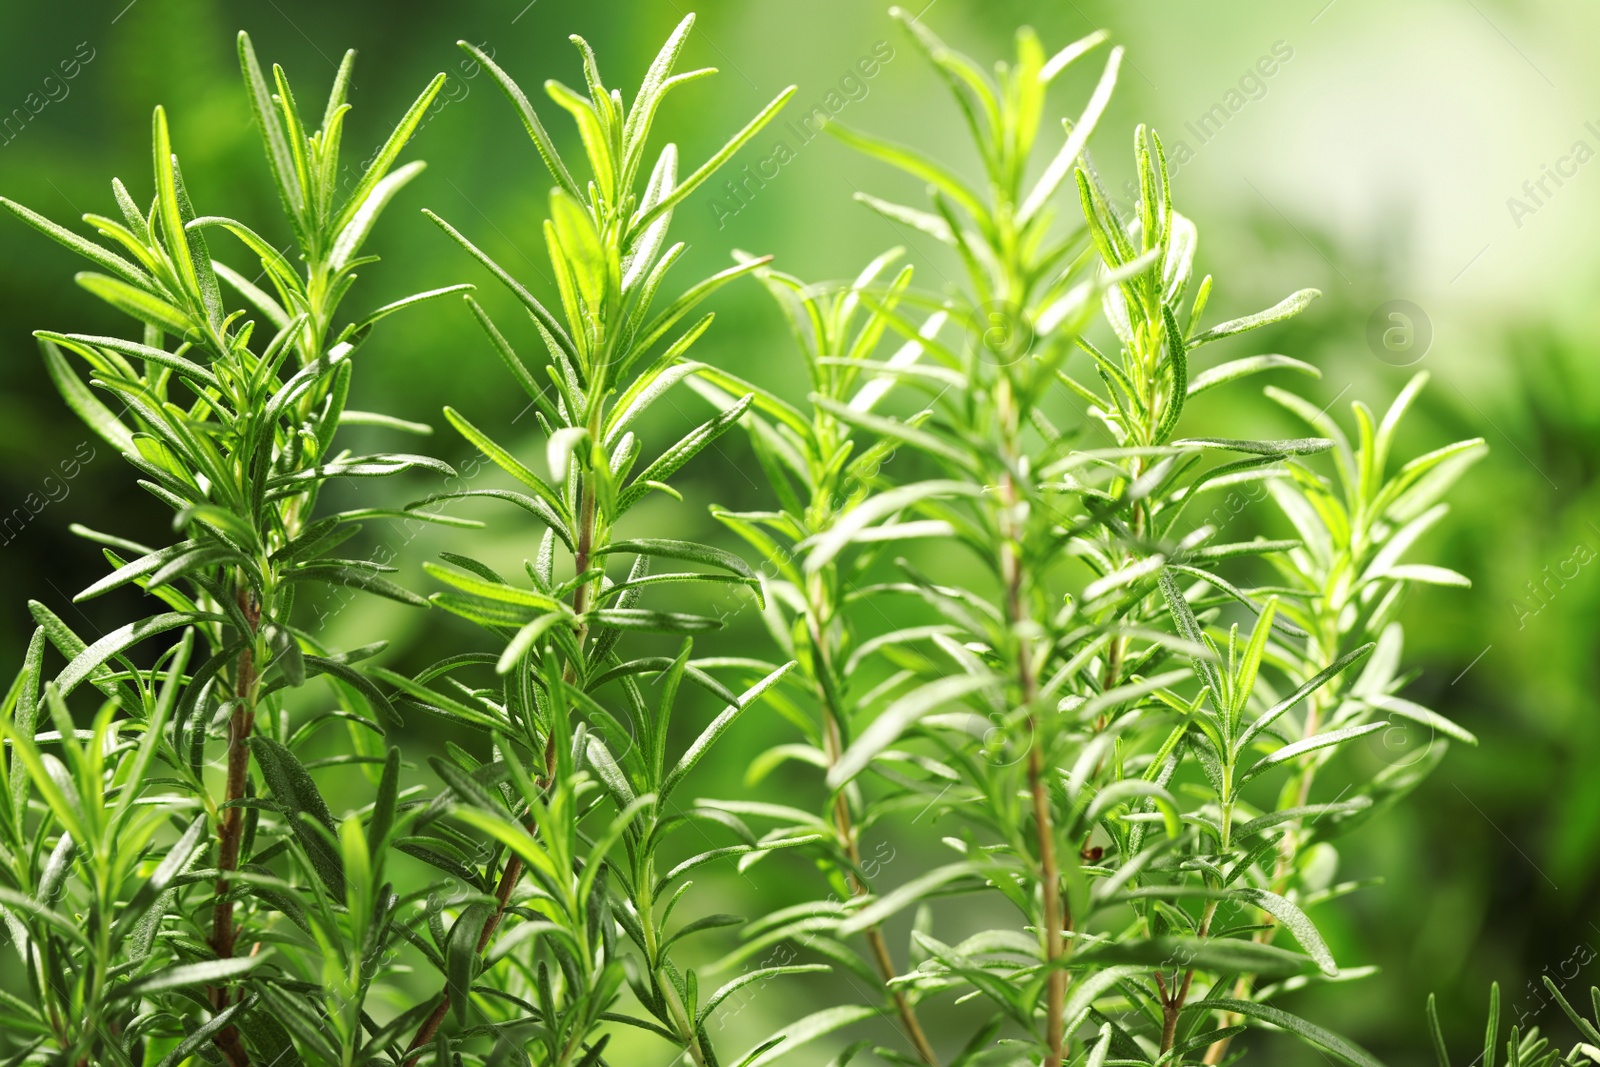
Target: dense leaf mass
(1116, 715)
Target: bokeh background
(1385, 159)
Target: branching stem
(513, 868)
(430, 1026)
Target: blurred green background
(1385, 158)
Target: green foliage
(1528, 1048)
(587, 761)
(1116, 715)
(1077, 698)
(234, 432)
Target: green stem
(1289, 844)
(101, 967)
(645, 904)
(686, 1031)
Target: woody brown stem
(845, 825)
(430, 1026)
(241, 723)
(1038, 789)
(1172, 1007)
(513, 869)
(880, 948)
(1013, 574)
(512, 872)
(1050, 888)
(1056, 996)
(1171, 1010)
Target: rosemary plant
(182, 877)
(1118, 714)
(812, 464)
(1084, 687)
(581, 792)
(1342, 587)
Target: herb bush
(1115, 717)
